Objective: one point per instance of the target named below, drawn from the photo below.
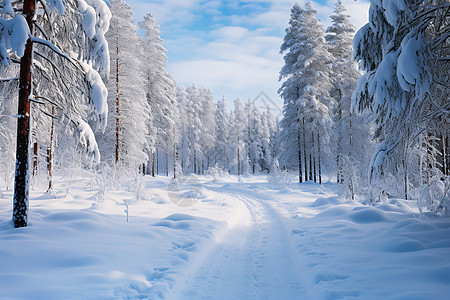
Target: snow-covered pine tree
(195, 128)
(237, 138)
(185, 112)
(160, 90)
(254, 136)
(222, 121)
(403, 49)
(207, 138)
(351, 130)
(46, 42)
(268, 140)
(124, 143)
(306, 123)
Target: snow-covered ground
(227, 239)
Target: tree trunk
(195, 162)
(318, 156)
(300, 179)
(174, 161)
(310, 167)
(50, 153)
(447, 155)
(304, 151)
(167, 163)
(339, 142)
(239, 158)
(153, 163)
(21, 181)
(444, 154)
(157, 162)
(117, 102)
(35, 158)
(314, 157)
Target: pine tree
(122, 144)
(351, 130)
(160, 89)
(222, 122)
(207, 119)
(306, 117)
(237, 135)
(404, 50)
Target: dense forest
(368, 109)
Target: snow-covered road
(253, 260)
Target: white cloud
(239, 56)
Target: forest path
(253, 260)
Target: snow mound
(367, 215)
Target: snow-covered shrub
(279, 176)
(216, 172)
(435, 196)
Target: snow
(56, 4)
(87, 139)
(89, 18)
(95, 24)
(239, 240)
(14, 34)
(98, 93)
(6, 8)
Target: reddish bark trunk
(21, 182)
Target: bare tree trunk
(153, 163)
(157, 162)
(117, 102)
(339, 143)
(314, 157)
(167, 163)
(310, 167)
(447, 155)
(304, 151)
(444, 154)
(21, 181)
(318, 155)
(195, 162)
(50, 153)
(300, 179)
(175, 161)
(239, 159)
(35, 158)
(405, 169)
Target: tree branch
(9, 79)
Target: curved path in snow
(253, 260)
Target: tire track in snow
(253, 261)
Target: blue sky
(231, 47)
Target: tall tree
(160, 88)
(21, 39)
(222, 144)
(237, 138)
(306, 117)
(351, 130)
(208, 134)
(122, 144)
